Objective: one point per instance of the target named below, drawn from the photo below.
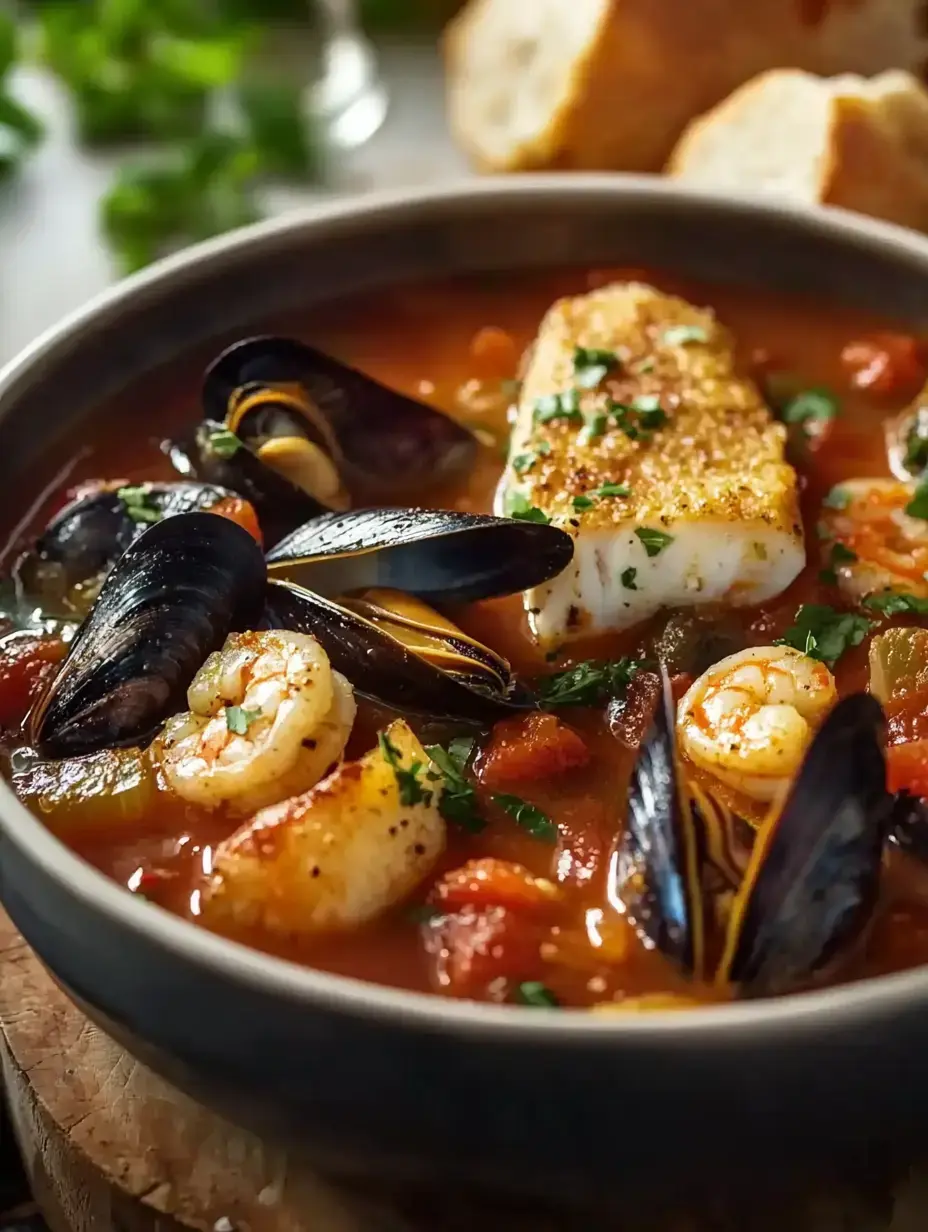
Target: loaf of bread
(850, 141)
(611, 84)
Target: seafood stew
(562, 645)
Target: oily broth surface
(417, 339)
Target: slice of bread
(848, 141)
(611, 84)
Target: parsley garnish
(521, 508)
(583, 502)
(589, 499)
(589, 683)
(824, 634)
(628, 578)
(239, 719)
(224, 444)
(457, 801)
(407, 780)
(896, 603)
(558, 406)
(137, 502)
(810, 404)
(837, 498)
(916, 447)
(595, 427)
(654, 541)
(536, 994)
(840, 554)
(523, 462)
(640, 416)
(591, 365)
(918, 505)
(680, 335)
(528, 816)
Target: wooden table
(109, 1147)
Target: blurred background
(129, 128)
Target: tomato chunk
(479, 953)
(524, 749)
(888, 365)
(26, 662)
(241, 511)
(907, 767)
(494, 882)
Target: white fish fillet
(711, 512)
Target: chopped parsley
(523, 462)
(916, 444)
(840, 554)
(583, 502)
(627, 578)
(528, 816)
(808, 404)
(642, 415)
(590, 683)
(595, 427)
(823, 633)
(558, 406)
(239, 719)
(589, 499)
(536, 994)
(654, 541)
(521, 508)
(918, 505)
(139, 504)
(591, 365)
(897, 603)
(680, 335)
(457, 801)
(224, 444)
(837, 498)
(407, 779)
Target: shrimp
(336, 856)
(870, 542)
(268, 718)
(749, 719)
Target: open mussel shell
(814, 873)
(908, 825)
(402, 654)
(171, 599)
(388, 442)
(64, 569)
(440, 556)
(211, 456)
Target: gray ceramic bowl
(380, 1080)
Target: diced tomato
(26, 662)
(495, 353)
(241, 511)
(888, 365)
(489, 881)
(907, 767)
(524, 749)
(478, 953)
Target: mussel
(171, 599)
(266, 387)
(62, 573)
(437, 555)
(396, 650)
(907, 440)
(810, 883)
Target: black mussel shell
(389, 442)
(691, 640)
(814, 874)
(402, 655)
(86, 538)
(908, 825)
(654, 875)
(171, 599)
(441, 556)
(279, 504)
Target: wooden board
(109, 1147)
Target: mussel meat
(437, 555)
(62, 573)
(399, 652)
(355, 430)
(170, 600)
(810, 884)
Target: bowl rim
(841, 1006)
